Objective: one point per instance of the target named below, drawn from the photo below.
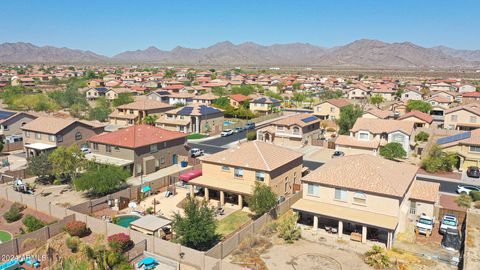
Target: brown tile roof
(296, 119)
(53, 125)
(418, 114)
(425, 191)
(339, 102)
(255, 155)
(351, 141)
(239, 97)
(137, 136)
(379, 113)
(145, 104)
(473, 108)
(377, 126)
(366, 173)
(206, 97)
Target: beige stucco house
(330, 109)
(466, 146)
(265, 105)
(135, 112)
(363, 196)
(465, 117)
(195, 118)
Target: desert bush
(119, 242)
(422, 136)
(475, 195)
(287, 228)
(251, 135)
(12, 215)
(376, 258)
(72, 243)
(77, 228)
(32, 223)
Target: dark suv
(473, 171)
(250, 126)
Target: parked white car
(196, 152)
(466, 189)
(226, 133)
(424, 225)
(86, 150)
(448, 222)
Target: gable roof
(472, 108)
(137, 136)
(338, 102)
(425, 191)
(265, 100)
(366, 172)
(303, 119)
(378, 126)
(379, 113)
(254, 155)
(418, 114)
(207, 96)
(473, 139)
(195, 109)
(239, 97)
(145, 104)
(53, 125)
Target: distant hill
(360, 53)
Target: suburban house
(465, 117)
(160, 95)
(467, 88)
(470, 97)
(11, 123)
(135, 112)
(294, 131)
(411, 95)
(442, 86)
(385, 91)
(180, 98)
(450, 96)
(420, 119)
(230, 175)
(47, 133)
(206, 99)
(265, 105)
(236, 100)
(377, 113)
(358, 93)
(142, 149)
(195, 118)
(466, 146)
(363, 196)
(113, 93)
(369, 134)
(399, 107)
(439, 101)
(330, 109)
(94, 93)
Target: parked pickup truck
(424, 225)
(449, 221)
(195, 152)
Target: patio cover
(40, 146)
(346, 214)
(108, 160)
(150, 223)
(229, 185)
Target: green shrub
(32, 223)
(73, 243)
(287, 228)
(77, 228)
(475, 195)
(422, 136)
(376, 258)
(12, 215)
(251, 135)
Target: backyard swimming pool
(229, 122)
(125, 220)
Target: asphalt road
(221, 141)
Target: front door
(174, 159)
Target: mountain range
(361, 53)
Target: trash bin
(183, 164)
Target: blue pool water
(125, 221)
(228, 122)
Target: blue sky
(109, 27)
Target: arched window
(359, 197)
(296, 130)
(78, 136)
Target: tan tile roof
(207, 96)
(351, 141)
(418, 114)
(378, 126)
(380, 113)
(256, 155)
(473, 108)
(145, 104)
(366, 173)
(296, 120)
(53, 125)
(339, 102)
(425, 191)
(473, 140)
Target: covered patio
(125, 163)
(34, 149)
(225, 190)
(359, 225)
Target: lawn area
(232, 222)
(5, 236)
(195, 136)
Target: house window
(413, 208)
(153, 148)
(95, 146)
(157, 164)
(260, 176)
(340, 194)
(474, 148)
(473, 119)
(130, 122)
(296, 130)
(130, 111)
(108, 148)
(51, 138)
(332, 109)
(27, 134)
(453, 118)
(294, 177)
(225, 168)
(162, 160)
(398, 138)
(280, 128)
(59, 138)
(78, 136)
(238, 173)
(5, 127)
(286, 184)
(38, 136)
(359, 197)
(313, 189)
(363, 136)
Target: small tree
(419, 105)
(422, 136)
(287, 229)
(439, 161)
(101, 179)
(67, 161)
(348, 116)
(151, 119)
(251, 135)
(123, 98)
(39, 165)
(263, 199)
(73, 243)
(393, 150)
(464, 201)
(376, 99)
(197, 228)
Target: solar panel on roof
(5, 114)
(185, 111)
(454, 138)
(208, 110)
(309, 119)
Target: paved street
(221, 141)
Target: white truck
(449, 221)
(424, 225)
